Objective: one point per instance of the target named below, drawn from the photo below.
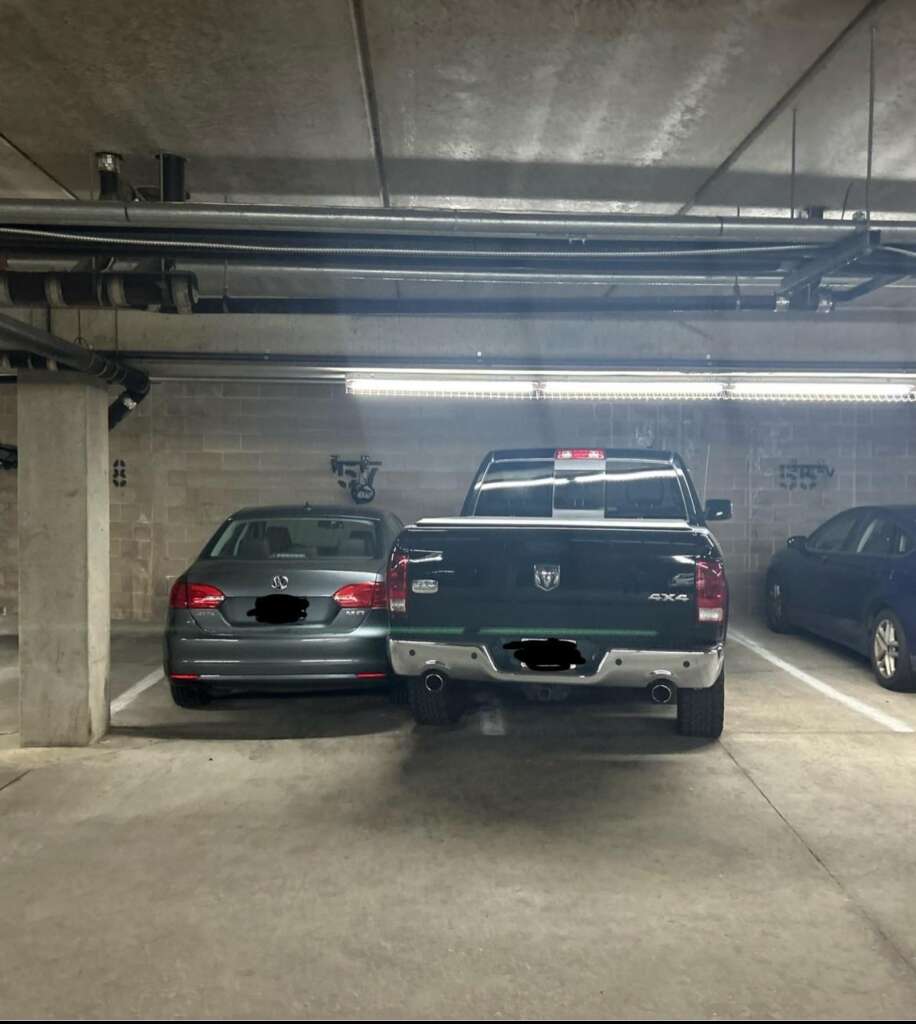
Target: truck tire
(440, 707)
(190, 695)
(702, 712)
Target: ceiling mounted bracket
(802, 286)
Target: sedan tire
(397, 692)
(890, 652)
(190, 695)
(777, 619)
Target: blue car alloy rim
(886, 648)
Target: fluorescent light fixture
(779, 386)
(442, 387)
(658, 389)
(813, 390)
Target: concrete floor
(320, 856)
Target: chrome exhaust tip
(434, 682)
(660, 693)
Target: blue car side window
(880, 537)
(834, 534)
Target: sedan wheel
(890, 653)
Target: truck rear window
(624, 489)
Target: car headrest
(354, 545)
(253, 547)
(279, 539)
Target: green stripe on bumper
(528, 630)
(426, 630)
(556, 630)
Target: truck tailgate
(603, 585)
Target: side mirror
(797, 542)
(718, 509)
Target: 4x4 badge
(546, 577)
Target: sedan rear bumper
(689, 670)
(355, 658)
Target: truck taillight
(712, 590)
(397, 581)
(579, 453)
(361, 595)
(195, 595)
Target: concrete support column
(64, 599)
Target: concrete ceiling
(517, 104)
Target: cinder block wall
(196, 451)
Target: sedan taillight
(195, 595)
(361, 595)
(712, 590)
(397, 581)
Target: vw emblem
(280, 582)
(546, 577)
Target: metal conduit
(226, 217)
(135, 383)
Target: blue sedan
(853, 581)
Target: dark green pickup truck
(567, 567)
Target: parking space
(321, 855)
(550, 355)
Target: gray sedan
(282, 597)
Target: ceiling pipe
(585, 227)
(172, 169)
(135, 383)
(108, 165)
(330, 367)
(530, 306)
(83, 289)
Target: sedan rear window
(308, 538)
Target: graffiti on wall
(804, 476)
(356, 476)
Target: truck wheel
(777, 619)
(190, 695)
(432, 702)
(701, 712)
(890, 653)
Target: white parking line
(853, 703)
(131, 694)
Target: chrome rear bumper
(688, 670)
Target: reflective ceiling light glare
(442, 387)
(764, 387)
(633, 389)
(821, 391)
